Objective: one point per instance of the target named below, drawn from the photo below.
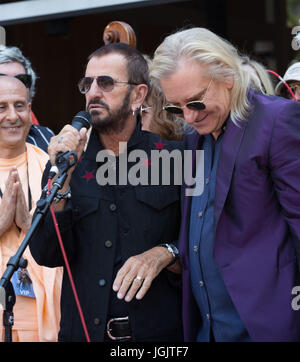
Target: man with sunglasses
(119, 237)
(13, 63)
(292, 79)
(240, 239)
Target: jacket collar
(94, 144)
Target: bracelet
(62, 196)
(173, 250)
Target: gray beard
(115, 121)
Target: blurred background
(57, 36)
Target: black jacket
(39, 136)
(102, 223)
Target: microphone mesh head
(84, 118)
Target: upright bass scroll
(119, 31)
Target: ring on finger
(139, 278)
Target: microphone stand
(64, 161)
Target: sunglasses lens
(173, 109)
(25, 79)
(106, 83)
(196, 106)
(84, 84)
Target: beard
(115, 120)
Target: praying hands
(13, 208)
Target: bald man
(21, 168)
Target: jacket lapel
(192, 143)
(230, 146)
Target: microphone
(82, 119)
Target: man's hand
(68, 139)
(8, 202)
(22, 216)
(136, 275)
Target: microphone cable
(284, 82)
(68, 269)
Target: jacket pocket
(84, 206)
(158, 197)
(86, 216)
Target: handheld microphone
(82, 119)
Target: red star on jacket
(147, 162)
(159, 145)
(89, 175)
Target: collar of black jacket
(94, 144)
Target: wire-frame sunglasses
(104, 82)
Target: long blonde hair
(220, 57)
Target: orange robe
(35, 319)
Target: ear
(229, 83)
(138, 95)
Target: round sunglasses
(194, 105)
(104, 82)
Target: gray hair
(260, 78)
(220, 56)
(14, 54)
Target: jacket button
(102, 282)
(125, 231)
(113, 207)
(76, 211)
(108, 244)
(97, 321)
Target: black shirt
(101, 227)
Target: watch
(173, 250)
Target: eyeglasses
(194, 105)
(24, 78)
(105, 82)
(145, 109)
(294, 88)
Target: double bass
(119, 31)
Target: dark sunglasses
(24, 78)
(105, 82)
(194, 105)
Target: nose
(12, 114)
(94, 93)
(95, 90)
(189, 115)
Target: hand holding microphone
(70, 138)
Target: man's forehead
(106, 64)
(11, 84)
(184, 86)
(11, 81)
